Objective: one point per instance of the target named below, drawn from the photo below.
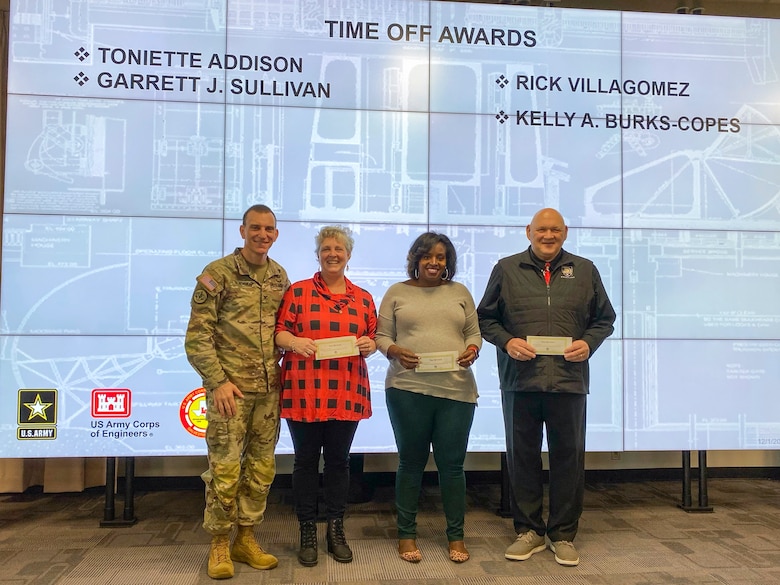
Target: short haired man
(230, 343)
(545, 291)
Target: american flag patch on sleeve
(206, 280)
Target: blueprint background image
(115, 199)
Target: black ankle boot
(337, 542)
(307, 555)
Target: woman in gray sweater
(429, 331)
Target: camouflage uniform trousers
(241, 458)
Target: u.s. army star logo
(200, 296)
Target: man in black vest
(558, 299)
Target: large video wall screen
(138, 135)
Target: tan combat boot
(246, 550)
(220, 565)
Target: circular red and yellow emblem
(192, 412)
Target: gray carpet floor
(631, 533)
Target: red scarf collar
(340, 299)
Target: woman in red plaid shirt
(325, 387)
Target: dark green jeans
(420, 421)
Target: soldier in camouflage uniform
(230, 343)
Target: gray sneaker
(565, 553)
(526, 544)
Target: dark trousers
(333, 439)
(525, 414)
(420, 422)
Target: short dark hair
(258, 208)
(423, 244)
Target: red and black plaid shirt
(331, 389)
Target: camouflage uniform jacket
(230, 335)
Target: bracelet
(476, 350)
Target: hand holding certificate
(336, 347)
(546, 345)
(438, 361)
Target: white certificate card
(336, 347)
(545, 345)
(438, 361)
